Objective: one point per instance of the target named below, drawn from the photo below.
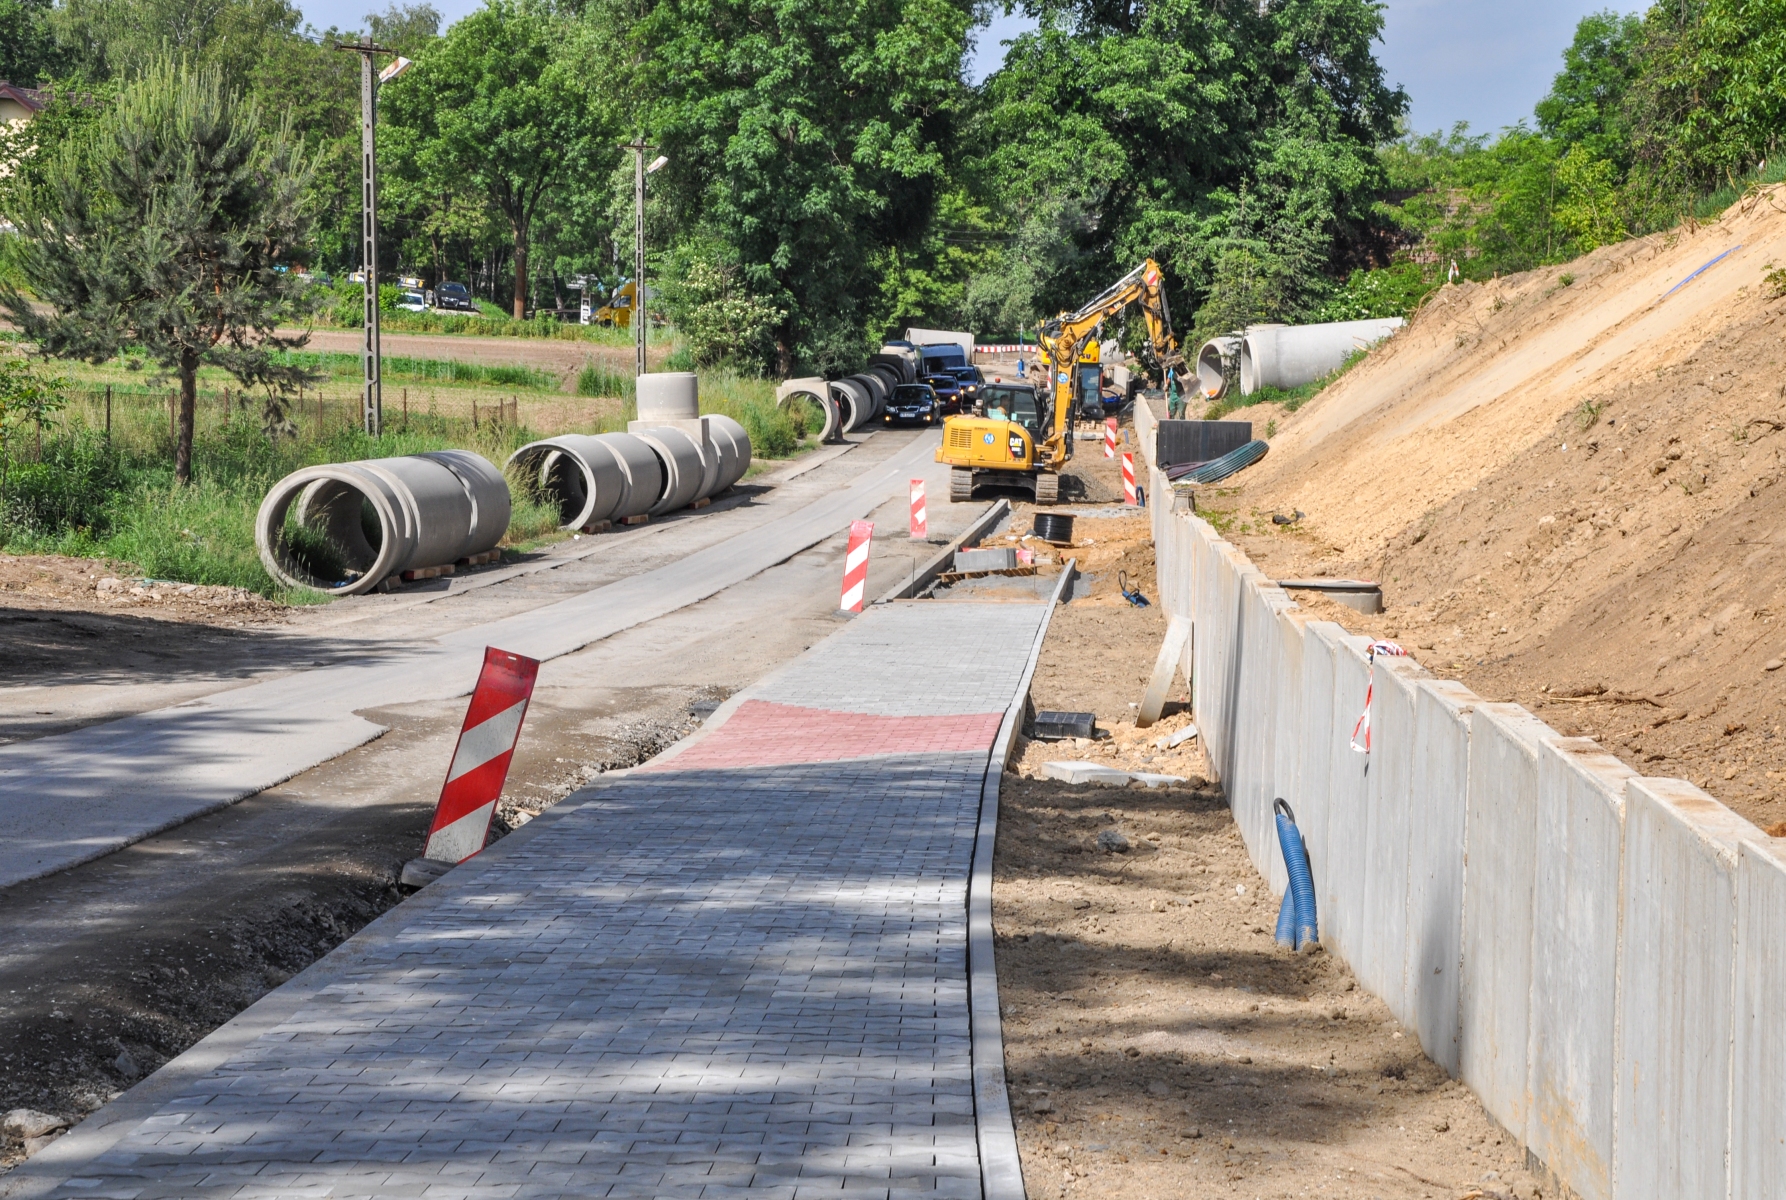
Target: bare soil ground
(1570, 493)
(1157, 1041)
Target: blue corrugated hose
(1217, 469)
(1296, 926)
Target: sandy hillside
(1569, 494)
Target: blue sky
(1482, 61)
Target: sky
(1486, 62)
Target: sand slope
(1574, 487)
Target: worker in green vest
(1174, 397)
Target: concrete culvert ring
(329, 529)
(578, 474)
(1212, 364)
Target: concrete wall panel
(1348, 813)
(1434, 951)
(1314, 796)
(1758, 1138)
(1389, 779)
(1677, 952)
(1574, 1010)
(1499, 875)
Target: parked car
(947, 389)
(412, 300)
(914, 402)
(455, 296)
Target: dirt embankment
(1568, 484)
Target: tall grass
(398, 368)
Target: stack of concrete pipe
(855, 400)
(670, 458)
(1285, 356)
(385, 516)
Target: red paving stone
(762, 733)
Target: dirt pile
(1567, 483)
(94, 585)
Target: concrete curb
(1001, 1167)
(940, 561)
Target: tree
(1586, 103)
(1235, 143)
(497, 104)
(170, 228)
(28, 50)
(806, 138)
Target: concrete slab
(1098, 773)
(1758, 1132)
(1677, 962)
(1436, 845)
(1575, 930)
(1382, 966)
(1348, 813)
(1494, 1025)
(746, 959)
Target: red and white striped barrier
(920, 518)
(855, 565)
(1112, 435)
(1128, 479)
(1363, 724)
(481, 760)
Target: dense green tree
(169, 227)
(1586, 102)
(28, 50)
(808, 139)
(1233, 142)
(498, 105)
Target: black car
(914, 402)
(947, 389)
(971, 381)
(455, 296)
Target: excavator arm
(1065, 338)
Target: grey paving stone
(749, 982)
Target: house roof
(32, 98)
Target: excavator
(1023, 439)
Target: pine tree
(171, 226)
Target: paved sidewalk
(740, 970)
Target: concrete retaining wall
(1597, 955)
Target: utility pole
(640, 170)
(372, 394)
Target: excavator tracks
(1047, 487)
(961, 485)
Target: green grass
(397, 368)
(93, 496)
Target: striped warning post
(855, 565)
(920, 518)
(481, 760)
(1128, 479)
(1111, 437)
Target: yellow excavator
(1024, 439)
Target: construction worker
(1174, 397)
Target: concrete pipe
(669, 396)
(1213, 361)
(887, 375)
(367, 521)
(733, 444)
(902, 367)
(1288, 356)
(816, 392)
(645, 475)
(684, 464)
(855, 402)
(582, 474)
(878, 389)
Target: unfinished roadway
(746, 968)
(146, 948)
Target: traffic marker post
(480, 764)
(855, 565)
(1112, 436)
(920, 521)
(1128, 479)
